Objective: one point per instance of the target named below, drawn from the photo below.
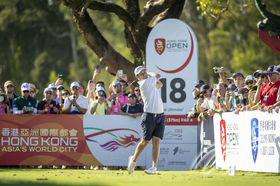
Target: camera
(60, 76)
(217, 70)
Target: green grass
(46, 177)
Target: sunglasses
(65, 94)
(136, 90)
(50, 93)
(25, 91)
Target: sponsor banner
(113, 139)
(172, 51)
(87, 140)
(249, 140)
(174, 156)
(43, 140)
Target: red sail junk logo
(160, 45)
(223, 138)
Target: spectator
(81, 89)
(4, 107)
(48, 105)
(99, 106)
(64, 95)
(269, 93)
(220, 102)
(137, 93)
(9, 90)
(76, 103)
(117, 100)
(207, 107)
(33, 90)
(53, 86)
(59, 90)
(132, 109)
(25, 104)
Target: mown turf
(47, 177)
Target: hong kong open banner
(248, 140)
(43, 140)
(172, 51)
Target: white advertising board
(248, 140)
(112, 139)
(172, 51)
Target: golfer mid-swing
(152, 120)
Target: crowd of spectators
(237, 93)
(122, 98)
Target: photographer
(199, 100)
(207, 107)
(75, 104)
(25, 104)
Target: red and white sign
(172, 51)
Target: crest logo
(254, 138)
(223, 138)
(160, 44)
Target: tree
(137, 26)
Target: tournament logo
(254, 138)
(160, 45)
(223, 138)
(109, 140)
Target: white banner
(112, 139)
(172, 51)
(248, 140)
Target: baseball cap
(48, 90)
(7, 83)
(116, 82)
(199, 84)
(138, 69)
(272, 69)
(250, 78)
(52, 86)
(74, 84)
(60, 87)
(237, 74)
(204, 87)
(257, 73)
(25, 86)
(131, 95)
(99, 88)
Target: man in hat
(99, 106)
(9, 90)
(152, 121)
(25, 104)
(132, 109)
(269, 93)
(76, 103)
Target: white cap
(48, 90)
(74, 84)
(116, 82)
(250, 78)
(138, 69)
(52, 86)
(99, 88)
(25, 86)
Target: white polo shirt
(151, 95)
(82, 101)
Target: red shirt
(269, 93)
